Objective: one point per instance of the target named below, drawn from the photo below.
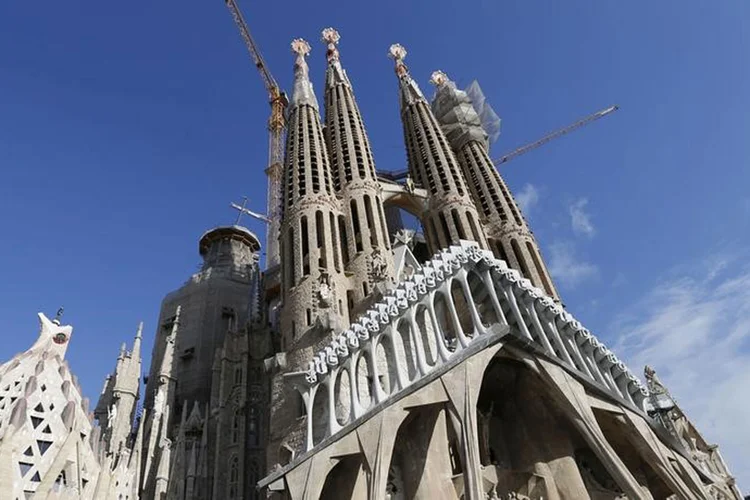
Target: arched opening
(462, 308)
(344, 240)
(427, 334)
(406, 350)
(523, 432)
(446, 230)
(421, 466)
(383, 225)
(320, 423)
(445, 322)
(305, 246)
(370, 221)
(459, 226)
(539, 268)
(234, 477)
(291, 269)
(482, 299)
(253, 426)
(620, 436)
(347, 479)
(357, 233)
(235, 432)
(364, 381)
(385, 357)
(523, 267)
(334, 241)
(474, 227)
(342, 396)
(320, 240)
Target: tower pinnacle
(438, 78)
(397, 52)
(331, 37)
(303, 90)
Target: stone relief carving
(378, 266)
(111, 414)
(325, 293)
(654, 384)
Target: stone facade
(355, 369)
(50, 445)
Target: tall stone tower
(116, 407)
(213, 300)
(314, 285)
(450, 215)
(365, 243)
(508, 234)
(200, 378)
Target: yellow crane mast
(276, 129)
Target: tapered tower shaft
(364, 240)
(509, 236)
(313, 281)
(450, 215)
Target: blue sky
(126, 129)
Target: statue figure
(324, 291)
(111, 414)
(409, 184)
(654, 384)
(378, 265)
(159, 402)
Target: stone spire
(364, 238)
(508, 234)
(450, 215)
(303, 88)
(157, 421)
(117, 405)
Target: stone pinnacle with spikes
(397, 52)
(331, 37)
(438, 78)
(300, 47)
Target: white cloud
(580, 219)
(567, 268)
(695, 331)
(527, 198)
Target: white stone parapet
(417, 328)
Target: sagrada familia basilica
(365, 361)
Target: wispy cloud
(580, 219)
(527, 198)
(567, 268)
(695, 331)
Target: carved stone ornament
(111, 414)
(654, 384)
(378, 265)
(324, 292)
(409, 185)
(405, 236)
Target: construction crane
(401, 174)
(554, 135)
(243, 210)
(276, 128)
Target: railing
(428, 320)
